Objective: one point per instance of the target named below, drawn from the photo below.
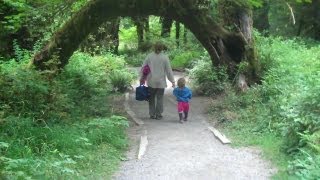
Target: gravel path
(186, 151)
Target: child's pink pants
(183, 107)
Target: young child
(183, 95)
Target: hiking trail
(185, 151)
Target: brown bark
(223, 47)
(138, 21)
(246, 26)
(240, 19)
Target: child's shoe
(180, 118)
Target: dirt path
(186, 151)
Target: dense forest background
(53, 119)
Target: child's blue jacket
(183, 95)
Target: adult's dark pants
(156, 101)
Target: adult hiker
(158, 67)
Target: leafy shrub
(306, 166)
(181, 59)
(21, 89)
(208, 79)
(55, 151)
(287, 103)
(26, 92)
(136, 60)
(146, 46)
(121, 80)
(46, 117)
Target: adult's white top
(160, 70)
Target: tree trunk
(147, 28)
(178, 33)
(240, 19)
(316, 18)
(223, 47)
(185, 31)
(309, 19)
(250, 55)
(140, 24)
(261, 18)
(115, 35)
(166, 26)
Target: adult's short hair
(159, 46)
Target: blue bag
(142, 93)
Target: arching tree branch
(216, 40)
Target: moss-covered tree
(238, 18)
(224, 47)
(106, 36)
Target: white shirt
(160, 70)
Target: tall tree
(25, 22)
(178, 33)
(316, 18)
(305, 18)
(114, 34)
(261, 17)
(147, 27)
(185, 32)
(166, 24)
(139, 23)
(142, 24)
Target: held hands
(142, 81)
(173, 84)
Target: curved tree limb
(216, 40)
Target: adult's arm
(169, 71)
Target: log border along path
(166, 149)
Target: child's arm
(190, 94)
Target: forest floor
(188, 150)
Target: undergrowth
(206, 79)
(285, 107)
(57, 124)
